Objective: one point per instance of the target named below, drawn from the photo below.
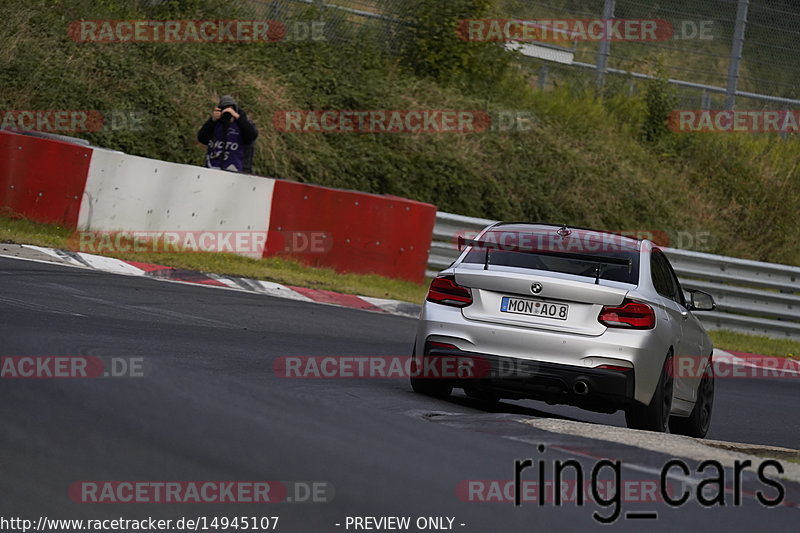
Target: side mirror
(701, 301)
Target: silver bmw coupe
(568, 316)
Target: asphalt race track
(209, 407)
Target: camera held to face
(226, 113)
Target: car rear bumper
(508, 377)
(641, 350)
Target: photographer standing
(230, 137)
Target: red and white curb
(754, 365)
(165, 273)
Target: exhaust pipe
(581, 388)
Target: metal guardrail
(752, 297)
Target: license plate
(521, 306)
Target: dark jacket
(230, 144)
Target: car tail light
(444, 290)
(631, 315)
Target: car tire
(437, 388)
(698, 422)
(655, 416)
(481, 395)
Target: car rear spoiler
(601, 261)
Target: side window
(679, 297)
(659, 276)
(671, 287)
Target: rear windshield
(557, 258)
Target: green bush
(660, 100)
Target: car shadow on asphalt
(501, 407)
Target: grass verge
(278, 270)
(742, 342)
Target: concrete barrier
(351, 231)
(98, 190)
(42, 180)
(125, 192)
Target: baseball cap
(226, 101)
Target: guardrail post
(605, 45)
(542, 82)
(736, 53)
(783, 134)
(705, 100)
